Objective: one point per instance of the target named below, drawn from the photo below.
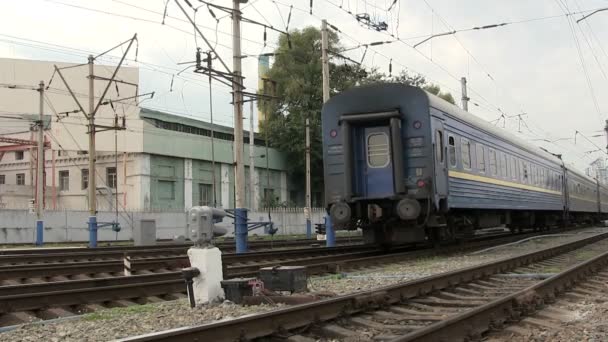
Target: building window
(439, 146)
(481, 158)
(293, 197)
(111, 177)
(268, 197)
(21, 179)
(452, 150)
(84, 178)
(377, 150)
(166, 190)
(205, 193)
(2, 179)
(493, 166)
(18, 155)
(465, 147)
(82, 152)
(62, 153)
(64, 180)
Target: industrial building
(161, 161)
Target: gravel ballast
(112, 324)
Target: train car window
(493, 166)
(378, 152)
(532, 174)
(481, 160)
(503, 165)
(513, 168)
(524, 172)
(465, 147)
(452, 150)
(439, 145)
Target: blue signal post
(330, 233)
(92, 231)
(39, 233)
(308, 228)
(241, 230)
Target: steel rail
(88, 295)
(254, 244)
(472, 324)
(249, 264)
(27, 289)
(41, 259)
(299, 316)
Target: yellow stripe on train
(468, 176)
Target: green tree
(297, 73)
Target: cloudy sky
(542, 64)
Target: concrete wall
(17, 226)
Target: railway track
(227, 246)
(460, 305)
(73, 288)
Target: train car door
(374, 166)
(440, 160)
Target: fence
(17, 225)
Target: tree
(406, 78)
(297, 73)
(298, 77)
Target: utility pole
(325, 72)
(325, 60)
(92, 181)
(239, 168)
(92, 128)
(465, 98)
(252, 198)
(209, 60)
(40, 172)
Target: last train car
(406, 166)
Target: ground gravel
(588, 322)
(394, 273)
(111, 324)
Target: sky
(542, 64)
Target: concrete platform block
(207, 285)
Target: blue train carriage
(405, 166)
(603, 199)
(583, 196)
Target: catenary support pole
(239, 168)
(325, 60)
(308, 201)
(92, 184)
(40, 172)
(252, 198)
(213, 177)
(465, 98)
(325, 71)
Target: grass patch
(117, 312)
(584, 255)
(552, 269)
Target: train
(404, 165)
